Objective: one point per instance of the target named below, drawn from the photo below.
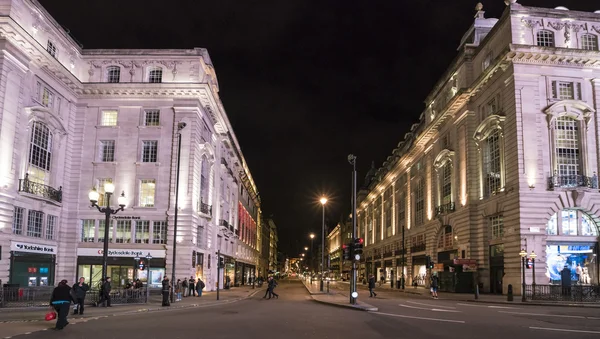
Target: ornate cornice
(525, 54)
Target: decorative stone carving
(574, 108)
(596, 28)
(93, 65)
(531, 23)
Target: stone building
(73, 119)
(503, 158)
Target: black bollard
(509, 294)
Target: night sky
(304, 82)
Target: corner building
(72, 119)
(503, 158)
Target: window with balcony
(152, 117)
(113, 74)
(155, 75)
(570, 222)
(147, 192)
(109, 118)
(545, 38)
(35, 224)
(40, 152)
(107, 150)
(88, 230)
(17, 226)
(589, 42)
(149, 150)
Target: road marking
(440, 306)
(552, 315)
(489, 306)
(419, 318)
(429, 309)
(563, 330)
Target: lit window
(155, 75)
(566, 140)
(107, 150)
(569, 222)
(588, 227)
(34, 224)
(152, 117)
(123, 232)
(497, 226)
(149, 151)
(492, 163)
(47, 98)
(101, 192)
(142, 232)
(589, 42)
(159, 232)
(447, 183)
(109, 118)
(50, 226)
(17, 226)
(88, 230)
(40, 149)
(147, 191)
(113, 74)
(51, 48)
(545, 38)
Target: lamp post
(109, 189)
(323, 201)
(403, 258)
(523, 254)
(353, 292)
(533, 256)
(312, 236)
(180, 126)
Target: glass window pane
(552, 226)
(569, 222)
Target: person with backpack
(434, 286)
(200, 286)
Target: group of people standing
(189, 288)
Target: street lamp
(323, 201)
(523, 254)
(533, 256)
(312, 236)
(109, 189)
(180, 126)
(306, 248)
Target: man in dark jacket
(166, 288)
(80, 290)
(372, 286)
(105, 292)
(61, 302)
(192, 286)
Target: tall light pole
(109, 189)
(523, 255)
(180, 126)
(323, 201)
(312, 256)
(353, 293)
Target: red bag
(51, 315)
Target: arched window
(113, 74)
(545, 38)
(589, 42)
(155, 75)
(572, 223)
(566, 151)
(40, 153)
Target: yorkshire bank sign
(127, 253)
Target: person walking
(80, 290)
(372, 283)
(192, 286)
(61, 303)
(268, 291)
(200, 286)
(166, 287)
(272, 285)
(178, 287)
(434, 286)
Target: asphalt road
(295, 315)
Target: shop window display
(581, 259)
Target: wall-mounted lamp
(531, 186)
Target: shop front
(419, 270)
(124, 266)
(579, 258)
(198, 264)
(31, 264)
(244, 273)
(228, 271)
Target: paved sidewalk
(469, 297)
(333, 297)
(11, 315)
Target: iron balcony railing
(44, 191)
(205, 208)
(418, 248)
(566, 181)
(574, 293)
(224, 223)
(446, 208)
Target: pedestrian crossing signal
(346, 251)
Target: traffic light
(529, 263)
(346, 251)
(431, 264)
(358, 249)
(142, 265)
(428, 262)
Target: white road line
(440, 306)
(563, 330)
(551, 315)
(419, 318)
(429, 309)
(488, 306)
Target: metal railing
(446, 208)
(44, 191)
(205, 208)
(574, 293)
(565, 181)
(40, 296)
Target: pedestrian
(61, 303)
(191, 286)
(166, 287)
(178, 288)
(200, 286)
(372, 283)
(434, 286)
(80, 290)
(184, 285)
(268, 291)
(105, 293)
(272, 285)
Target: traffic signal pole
(352, 160)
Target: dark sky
(304, 82)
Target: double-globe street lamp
(523, 255)
(323, 201)
(109, 189)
